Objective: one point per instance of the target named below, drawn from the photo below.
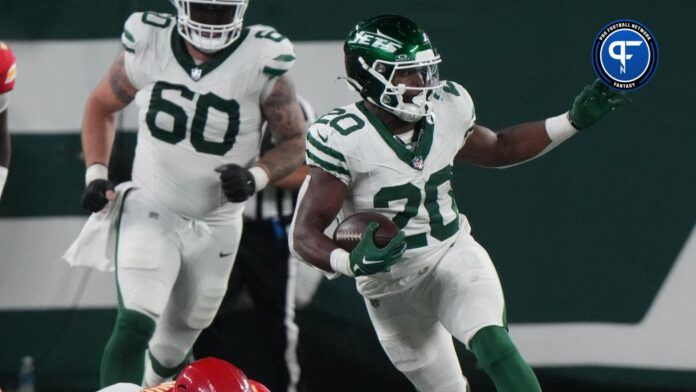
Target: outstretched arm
(523, 142)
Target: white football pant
(174, 270)
(456, 297)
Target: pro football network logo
(624, 54)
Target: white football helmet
(210, 25)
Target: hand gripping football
(349, 231)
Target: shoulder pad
(463, 100)
(140, 26)
(278, 52)
(324, 151)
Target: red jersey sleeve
(8, 68)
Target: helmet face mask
(391, 63)
(210, 25)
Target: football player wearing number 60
(393, 153)
(203, 84)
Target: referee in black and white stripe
(255, 325)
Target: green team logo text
(377, 41)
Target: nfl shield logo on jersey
(196, 73)
(418, 162)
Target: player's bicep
(480, 148)
(115, 91)
(282, 110)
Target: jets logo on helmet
(210, 25)
(382, 47)
(377, 40)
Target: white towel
(95, 246)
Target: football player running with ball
(203, 84)
(393, 153)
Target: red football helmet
(212, 375)
(8, 69)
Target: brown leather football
(349, 231)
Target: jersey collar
(195, 71)
(415, 158)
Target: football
(349, 231)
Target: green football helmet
(379, 48)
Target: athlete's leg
(469, 302)
(499, 358)
(417, 344)
(195, 298)
(147, 263)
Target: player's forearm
(313, 246)
(98, 130)
(524, 142)
(293, 180)
(284, 158)
(521, 142)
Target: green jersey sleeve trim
(326, 165)
(284, 57)
(128, 35)
(325, 149)
(274, 71)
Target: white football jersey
(195, 117)
(413, 187)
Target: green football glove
(367, 259)
(593, 103)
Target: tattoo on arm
(285, 119)
(118, 80)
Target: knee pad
(404, 356)
(491, 345)
(205, 307)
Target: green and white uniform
(445, 284)
(192, 118)
(412, 187)
(176, 235)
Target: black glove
(238, 183)
(94, 195)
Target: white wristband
(559, 129)
(96, 171)
(260, 177)
(3, 178)
(340, 262)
